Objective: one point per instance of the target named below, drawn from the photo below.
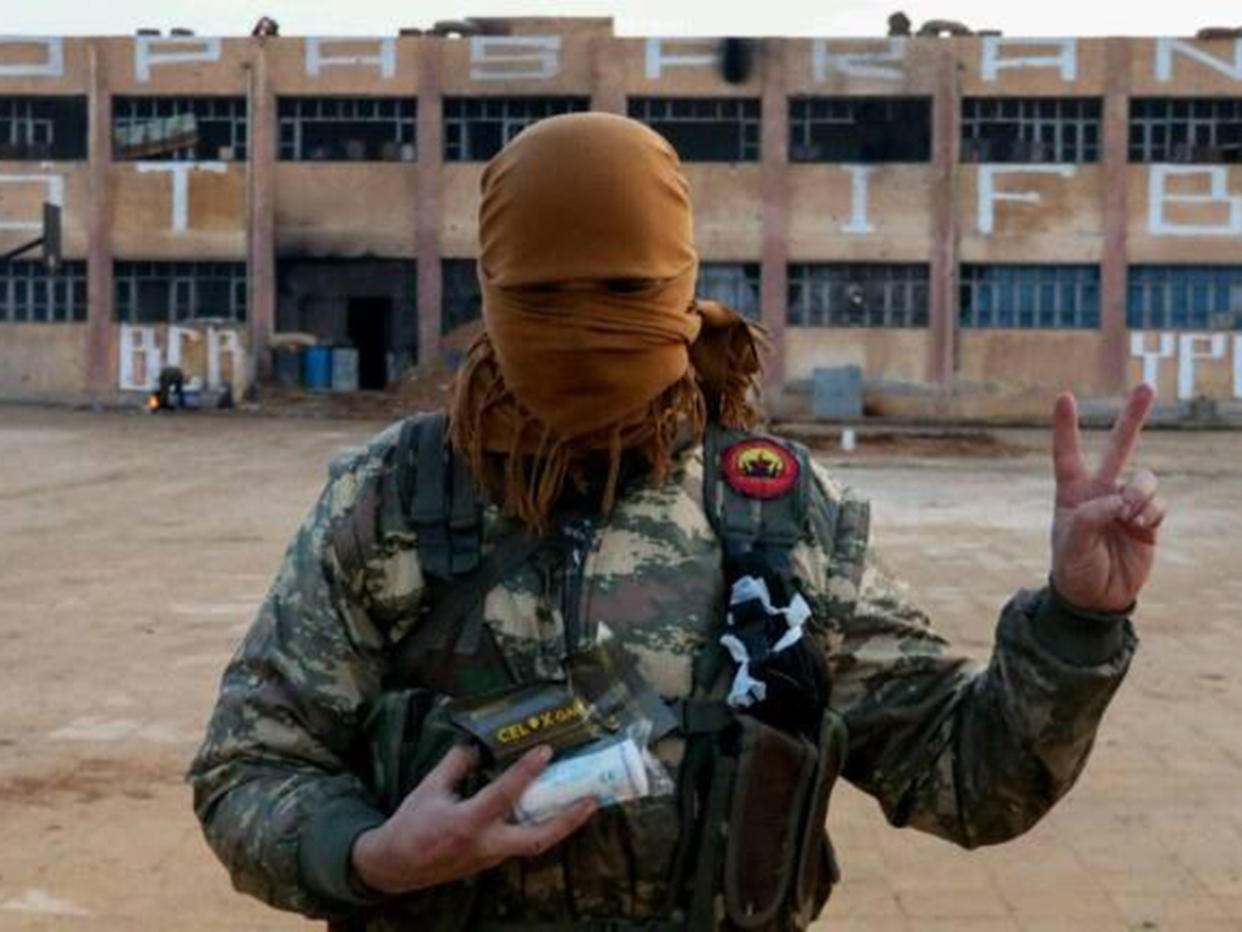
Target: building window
(462, 296)
(28, 292)
(857, 295)
(347, 129)
(37, 128)
(704, 129)
(1030, 296)
(182, 129)
(476, 128)
(859, 129)
(733, 284)
(1031, 129)
(1184, 297)
(170, 292)
(1164, 129)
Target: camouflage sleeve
(277, 800)
(975, 753)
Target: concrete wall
(942, 212)
(343, 209)
(43, 361)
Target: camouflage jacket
(971, 752)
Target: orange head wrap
(593, 341)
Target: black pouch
(775, 771)
(510, 722)
(817, 871)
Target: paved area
(134, 549)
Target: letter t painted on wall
(180, 172)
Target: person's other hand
(436, 836)
(1103, 530)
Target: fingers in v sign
(1104, 530)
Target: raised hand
(1103, 530)
(436, 837)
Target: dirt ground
(134, 550)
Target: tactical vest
(751, 849)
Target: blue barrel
(317, 368)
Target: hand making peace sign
(1103, 530)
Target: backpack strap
(438, 492)
(455, 620)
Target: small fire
(153, 402)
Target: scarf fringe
(512, 453)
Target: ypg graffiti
(1200, 359)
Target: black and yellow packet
(603, 695)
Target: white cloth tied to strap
(746, 689)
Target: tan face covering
(593, 340)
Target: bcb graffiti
(208, 356)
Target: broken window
(38, 128)
(704, 129)
(1031, 129)
(347, 129)
(1030, 296)
(476, 128)
(859, 129)
(1186, 129)
(733, 284)
(182, 129)
(1184, 297)
(28, 292)
(171, 292)
(462, 297)
(863, 294)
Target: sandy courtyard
(134, 550)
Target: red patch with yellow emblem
(760, 469)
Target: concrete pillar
(101, 345)
(261, 212)
(607, 75)
(942, 289)
(1114, 347)
(430, 143)
(774, 151)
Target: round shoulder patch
(760, 469)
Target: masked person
(598, 483)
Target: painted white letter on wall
(180, 172)
(317, 58)
(1165, 47)
(222, 341)
(52, 66)
(54, 193)
(505, 58)
(1065, 58)
(180, 50)
(657, 60)
(1151, 360)
(1237, 366)
(988, 195)
(138, 345)
(859, 223)
(1217, 195)
(1188, 356)
(858, 64)
(177, 336)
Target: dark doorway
(368, 332)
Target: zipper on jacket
(579, 536)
